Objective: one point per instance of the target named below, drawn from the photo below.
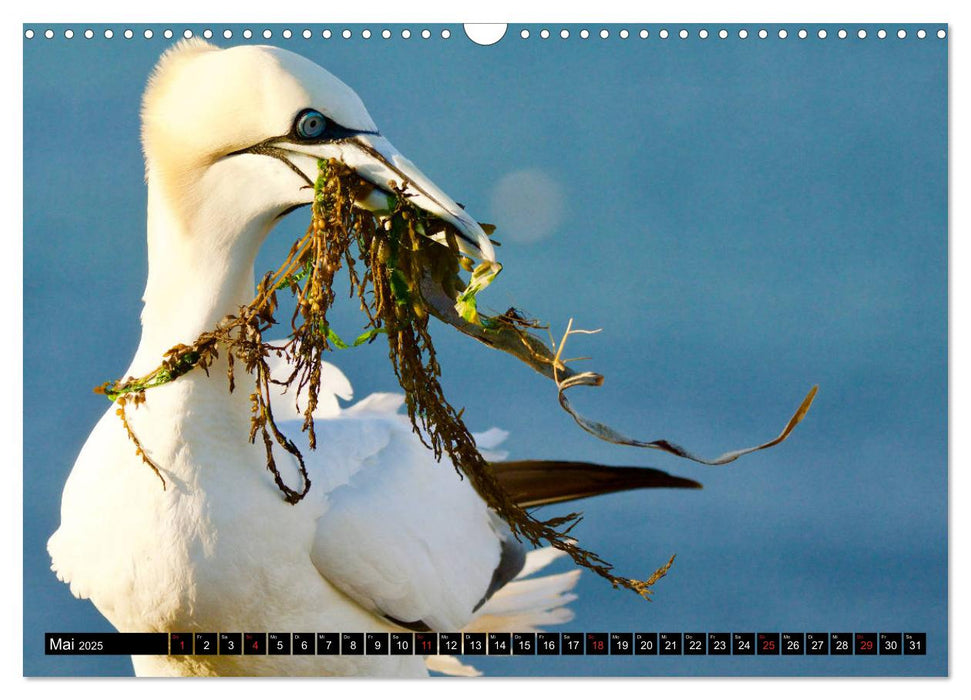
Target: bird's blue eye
(310, 124)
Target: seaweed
(401, 277)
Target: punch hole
(366, 34)
(207, 33)
(68, 33)
(584, 34)
(763, 34)
(346, 33)
(307, 33)
(821, 33)
(921, 34)
(783, 33)
(902, 34)
(425, 34)
(446, 34)
(743, 34)
(386, 34)
(524, 34)
(941, 34)
(564, 33)
(29, 34)
(723, 34)
(882, 34)
(228, 34)
(168, 34)
(326, 34)
(109, 34)
(544, 34)
(683, 34)
(624, 33)
(841, 33)
(287, 34)
(267, 34)
(129, 33)
(88, 34)
(405, 33)
(149, 34)
(485, 34)
(187, 34)
(247, 34)
(861, 33)
(663, 33)
(49, 34)
(604, 34)
(644, 34)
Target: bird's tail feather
(450, 666)
(522, 605)
(526, 596)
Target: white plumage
(385, 532)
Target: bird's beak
(374, 158)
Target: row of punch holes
(524, 34)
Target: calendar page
(507, 350)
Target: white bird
(387, 539)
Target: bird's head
(238, 132)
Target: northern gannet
(386, 539)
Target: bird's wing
(401, 534)
(537, 482)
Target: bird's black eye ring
(310, 124)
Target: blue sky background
(743, 218)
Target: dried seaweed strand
(313, 260)
(397, 283)
(406, 276)
(139, 450)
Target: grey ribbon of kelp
(605, 432)
(509, 333)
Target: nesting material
(401, 277)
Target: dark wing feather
(535, 482)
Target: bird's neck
(200, 268)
